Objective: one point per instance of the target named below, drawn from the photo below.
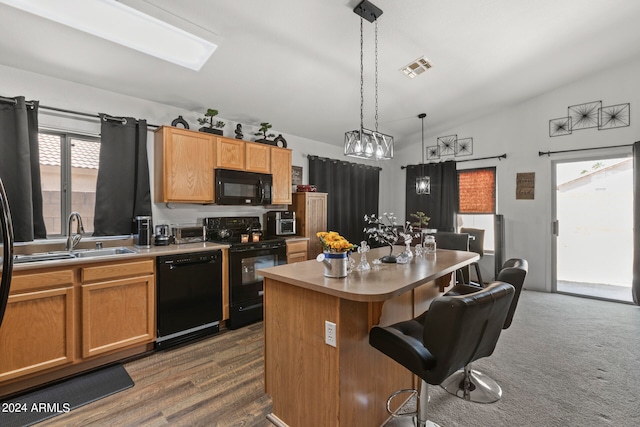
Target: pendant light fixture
(423, 182)
(365, 143)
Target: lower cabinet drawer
(297, 246)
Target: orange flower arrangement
(334, 242)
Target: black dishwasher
(189, 297)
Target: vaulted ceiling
(296, 64)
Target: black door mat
(47, 402)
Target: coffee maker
(142, 239)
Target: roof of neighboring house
(596, 175)
(84, 154)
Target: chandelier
(423, 183)
(366, 143)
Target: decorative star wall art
(614, 116)
(464, 147)
(591, 115)
(447, 144)
(584, 116)
(561, 126)
(433, 152)
(450, 145)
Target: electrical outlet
(330, 333)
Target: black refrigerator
(6, 239)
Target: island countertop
(378, 284)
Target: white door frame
(587, 155)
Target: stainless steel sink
(80, 253)
(86, 253)
(42, 257)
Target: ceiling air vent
(416, 67)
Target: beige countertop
(378, 284)
(153, 251)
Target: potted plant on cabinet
(215, 128)
(264, 128)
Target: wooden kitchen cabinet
(258, 157)
(281, 171)
(184, 163)
(38, 330)
(297, 250)
(61, 321)
(118, 306)
(311, 217)
(230, 153)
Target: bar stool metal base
(419, 416)
(472, 385)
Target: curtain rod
(77, 113)
(500, 157)
(549, 153)
(312, 156)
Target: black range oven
(245, 259)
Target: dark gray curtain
(20, 167)
(442, 203)
(353, 190)
(122, 190)
(635, 289)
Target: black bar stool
(468, 383)
(455, 331)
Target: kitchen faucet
(73, 240)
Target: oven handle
(250, 307)
(237, 250)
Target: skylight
(116, 22)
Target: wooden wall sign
(525, 185)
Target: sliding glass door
(593, 231)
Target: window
(478, 202)
(69, 172)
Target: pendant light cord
(376, 56)
(422, 116)
(361, 77)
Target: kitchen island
(313, 383)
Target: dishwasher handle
(173, 266)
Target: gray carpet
(565, 361)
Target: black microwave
(242, 188)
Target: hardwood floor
(218, 381)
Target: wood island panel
(303, 369)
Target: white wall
(521, 131)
